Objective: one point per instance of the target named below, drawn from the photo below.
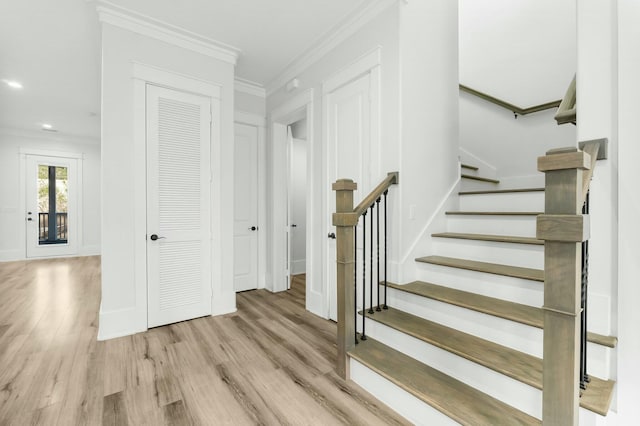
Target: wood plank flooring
(271, 362)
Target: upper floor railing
(511, 107)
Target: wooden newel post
(344, 219)
(563, 228)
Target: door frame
(143, 75)
(369, 63)
(297, 107)
(22, 182)
(260, 122)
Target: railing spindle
(584, 378)
(355, 282)
(364, 272)
(371, 262)
(385, 250)
(378, 251)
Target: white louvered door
(178, 206)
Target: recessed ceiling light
(13, 84)
(47, 126)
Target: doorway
(297, 199)
(51, 207)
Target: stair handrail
(564, 227)
(567, 109)
(391, 179)
(345, 219)
(507, 105)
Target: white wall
(12, 213)
(429, 121)
(504, 53)
(123, 308)
(628, 126)
(252, 104)
(298, 197)
(522, 52)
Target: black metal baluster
(364, 272)
(378, 251)
(355, 282)
(584, 378)
(371, 262)
(385, 250)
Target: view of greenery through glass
(61, 186)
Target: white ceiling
(53, 49)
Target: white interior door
(246, 207)
(348, 144)
(51, 210)
(178, 206)
(298, 205)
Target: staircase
(463, 345)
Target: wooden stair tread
(472, 213)
(468, 166)
(453, 398)
(515, 364)
(480, 178)
(512, 311)
(501, 191)
(486, 237)
(597, 396)
(512, 363)
(491, 268)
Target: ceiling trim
(138, 23)
(249, 87)
(329, 41)
(50, 136)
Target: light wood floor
(270, 363)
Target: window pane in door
(53, 194)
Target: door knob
(332, 235)
(293, 225)
(29, 218)
(155, 237)
(253, 228)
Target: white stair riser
(506, 333)
(522, 255)
(517, 290)
(521, 226)
(511, 201)
(513, 392)
(396, 398)
(476, 185)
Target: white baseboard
(11, 255)
(93, 250)
(119, 323)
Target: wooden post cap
(564, 160)
(344, 185)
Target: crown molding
(48, 136)
(329, 41)
(249, 87)
(138, 23)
